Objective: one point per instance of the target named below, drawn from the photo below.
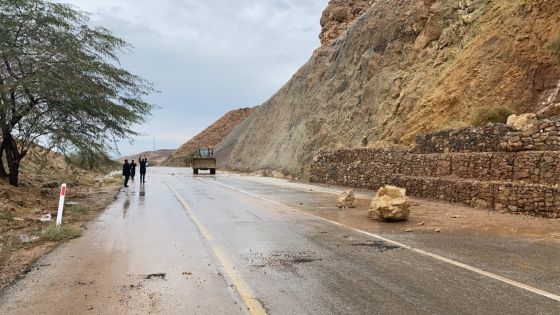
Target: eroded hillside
(209, 137)
(403, 68)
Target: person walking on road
(126, 172)
(132, 169)
(143, 165)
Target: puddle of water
(285, 260)
(300, 260)
(161, 275)
(379, 245)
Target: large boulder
(347, 199)
(522, 122)
(390, 204)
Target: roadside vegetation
(60, 85)
(55, 233)
(92, 161)
(23, 235)
(64, 104)
(494, 114)
(77, 211)
(554, 46)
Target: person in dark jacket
(132, 169)
(143, 165)
(126, 172)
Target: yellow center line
(245, 292)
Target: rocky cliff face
(402, 68)
(338, 16)
(209, 137)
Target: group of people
(129, 170)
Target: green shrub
(56, 233)
(6, 214)
(496, 114)
(93, 161)
(554, 46)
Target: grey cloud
(208, 57)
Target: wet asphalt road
(232, 244)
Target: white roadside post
(61, 204)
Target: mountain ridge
(401, 69)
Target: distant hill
(154, 157)
(209, 137)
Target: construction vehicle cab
(204, 159)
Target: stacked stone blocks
(500, 174)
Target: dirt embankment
(23, 236)
(400, 69)
(209, 137)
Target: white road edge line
(416, 250)
(254, 306)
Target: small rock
(421, 223)
(347, 199)
(438, 230)
(408, 230)
(45, 218)
(50, 185)
(28, 239)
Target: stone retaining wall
(347, 167)
(502, 174)
(492, 138)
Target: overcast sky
(207, 57)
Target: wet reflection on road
(142, 192)
(126, 204)
(206, 244)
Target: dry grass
(6, 215)
(56, 233)
(554, 46)
(495, 114)
(454, 124)
(77, 211)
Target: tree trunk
(3, 173)
(13, 158)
